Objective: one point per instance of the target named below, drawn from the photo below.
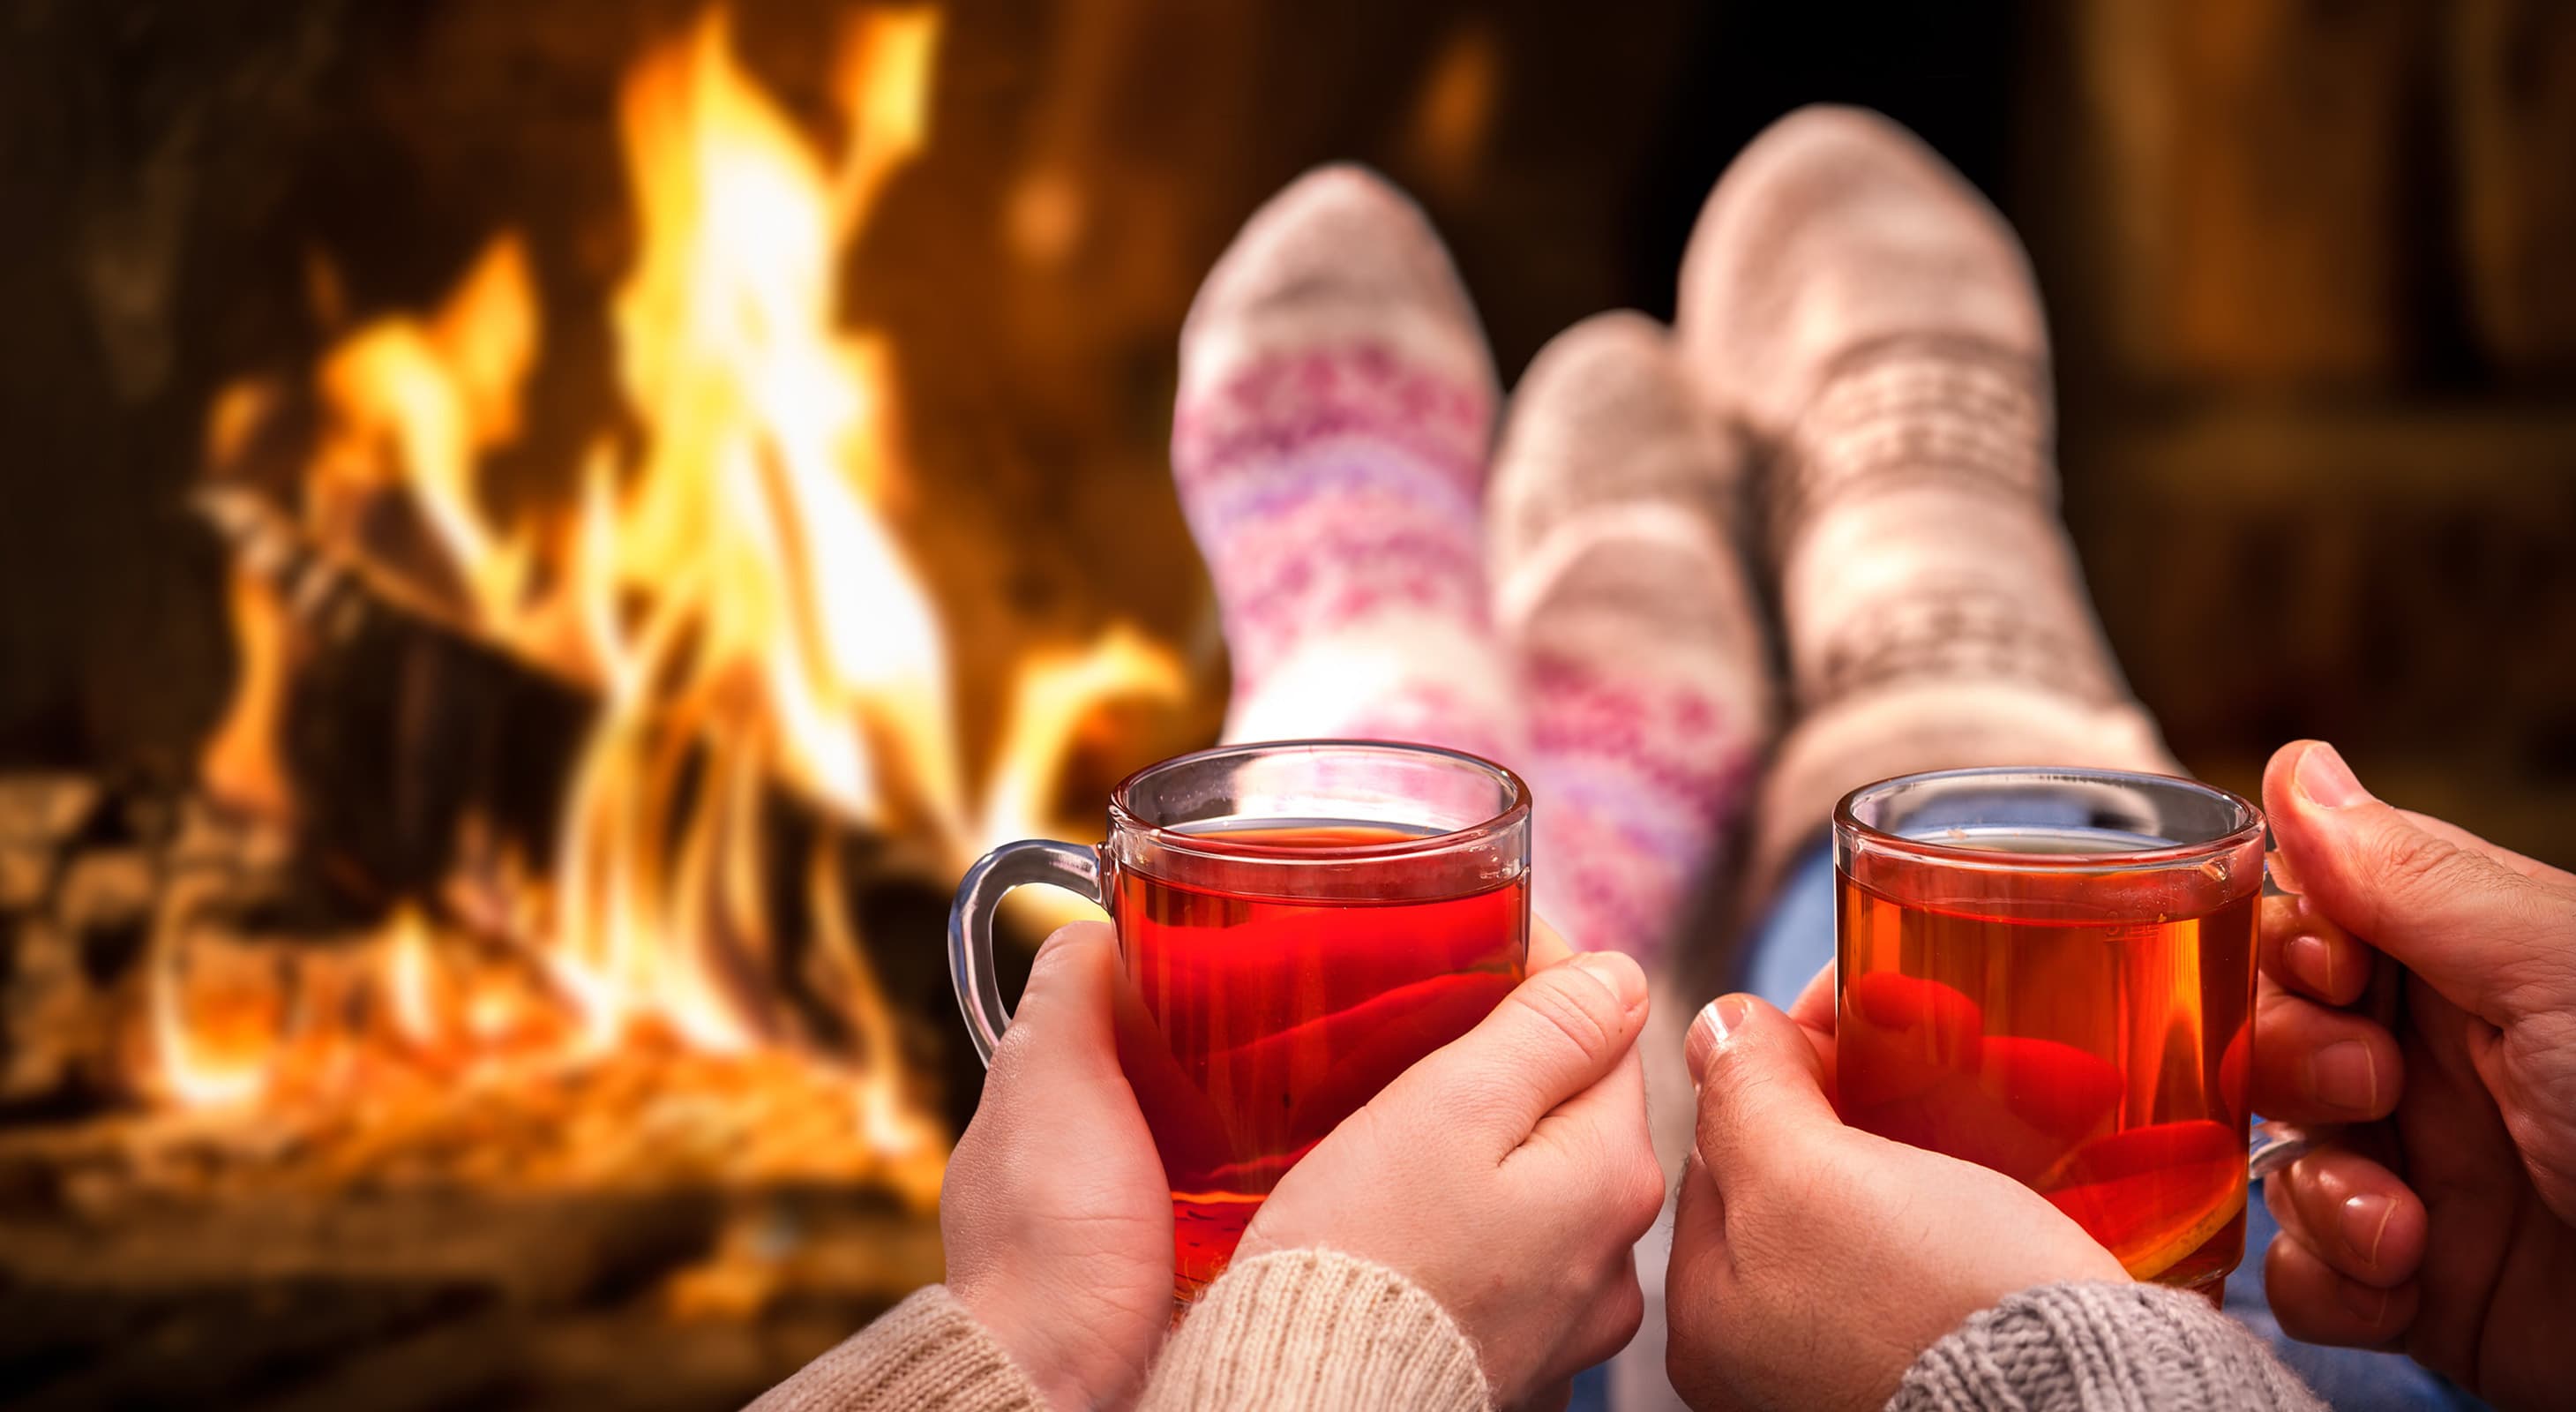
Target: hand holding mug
(1056, 1219)
(1912, 1241)
(2467, 1261)
(1508, 1174)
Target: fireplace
(527, 985)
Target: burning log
(459, 1228)
(392, 722)
(424, 762)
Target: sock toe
(1340, 254)
(1837, 230)
(1605, 415)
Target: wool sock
(1857, 305)
(1614, 538)
(1329, 446)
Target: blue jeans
(1796, 939)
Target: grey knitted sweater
(2100, 1348)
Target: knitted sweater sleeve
(1315, 1331)
(2096, 1347)
(926, 1354)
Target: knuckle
(1644, 1199)
(1623, 1312)
(1575, 1007)
(2417, 862)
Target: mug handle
(2277, 1144)
(1070, 866)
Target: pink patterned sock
(1619, 582)
(1329, 445)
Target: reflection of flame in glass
(726, 583)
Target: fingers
(1813, 1011)
(2353, 1214)
(1759, 1082)
(2352, 1239)
(2454, 914)
(1616, 1106)
(1062, 1023)
(1546, 945)
(2317, 1065)
(1814, 1007)
(1600, 1134)
(2317, 1305)
(1558, 1033)
(2304, 950)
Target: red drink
(1257, 1022)
(1300, 920)
(2085, 1030)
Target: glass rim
(2251, 830)
(1123, 816)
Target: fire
(727, 585)
(240, 764)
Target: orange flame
(727, 582)
(209, 1058)
(240, 764)
(436, 395)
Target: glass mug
(2050, 972)
(1298, 922)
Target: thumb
(2453, 914)
(1558, 1033)
(1062, 1025)
(1760, 1083)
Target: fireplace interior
(539, 541)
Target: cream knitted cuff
(926, 1354)
(1315, 1331)
(2101, 1346)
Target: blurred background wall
(2306, 258)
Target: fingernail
(2324, 778)
(2368, 1303)
(2312, 961)
(2345, 1074)
(1618, 973)
(2365, 1223)
(1715, 1021)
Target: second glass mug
(1298, 922)
(2050, 972)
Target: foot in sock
(1621, 588)
(1329, 445)
(1871, 319)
